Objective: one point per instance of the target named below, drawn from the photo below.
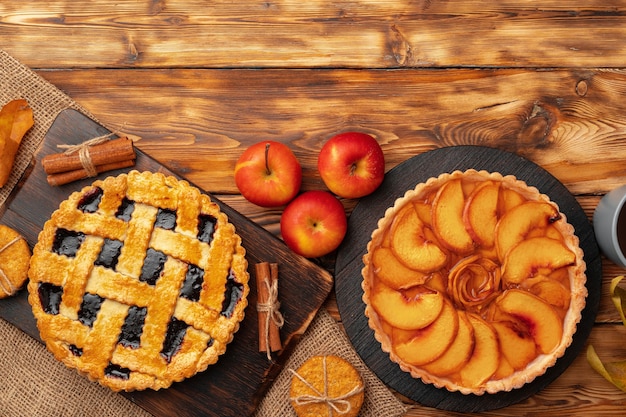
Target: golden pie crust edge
(179, 370)
(578, 289)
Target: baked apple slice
(480, 214)
(535, 256)
(485, 358)
(540, 318)
(509, 199)
(517, 223)
(419, 347)
(504, 369)
(459, 352)
(437, 282)
(447, 217)
(393, 272)
(423, 211)
(516, 343)
(553, 292)
(413, 308)
(414, 244)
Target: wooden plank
(567, 121)
(236, 383)
(320, 33)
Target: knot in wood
(581, 88)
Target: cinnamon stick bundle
(62, 178)
(268, 307)
(85, 160)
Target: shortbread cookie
(326, 385)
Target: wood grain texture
(200, 81)
(186, 117)
(320, 33)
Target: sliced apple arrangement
(474, 282)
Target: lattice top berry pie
(138, 281)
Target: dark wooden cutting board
(363, 221)
(233, 386)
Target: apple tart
(474, 282)
(138, 281)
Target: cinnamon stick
(62, 178)
(268, 307)
(114, 150)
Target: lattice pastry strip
(138, 281)
(137, 240)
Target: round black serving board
(363, 221)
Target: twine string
(339, 404)
(83, 152)
(5, 283)
(272, 308)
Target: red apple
(268, 174)
(314, 223)
(351, 164)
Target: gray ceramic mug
(609, 224)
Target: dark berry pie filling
(125, 210)
(232, 295)
(116, 371)
(193, 283)
(67, 242)
(110, 253)
(50, 297)
(76, 351)
(89, 309)
(176, 331)
(206, 228)
(91, 200)
(133, 327)
(153, 266)
(166, 219)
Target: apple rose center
(473, 282)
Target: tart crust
(191, 305)
(542, 361)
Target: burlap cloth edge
(35, 384)
(325, 337)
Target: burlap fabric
(34, 384)
(324, 337)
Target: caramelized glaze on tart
(138, 281)
(474, 281)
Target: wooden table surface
(199, 81)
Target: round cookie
(327, 385)
(14, 260)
